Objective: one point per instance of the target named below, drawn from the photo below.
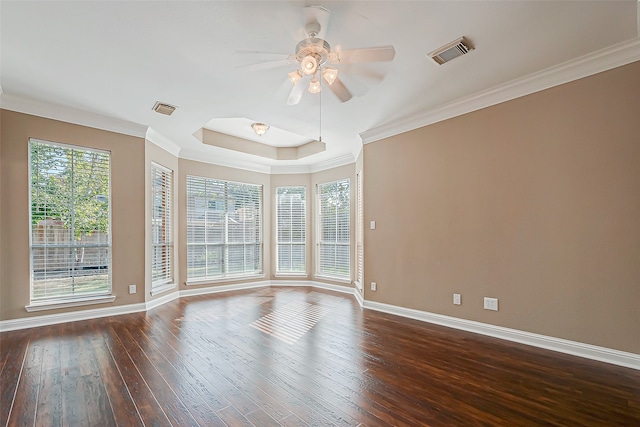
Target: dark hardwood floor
(296, 357)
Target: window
(224, 229)
(359, 234)
(334, 229)
(70, 222)
(290, 230)
(161, 226)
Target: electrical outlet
(456, 299)
(491, 304)
(374, 286)
(132, 289)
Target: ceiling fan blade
(371, 54)
(340, 90)
(296, 92)
(262, 60)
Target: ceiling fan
(318, 62)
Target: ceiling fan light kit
(330, 75)
(295, 76)
(309, 64)
(314, 85)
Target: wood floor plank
(168, 343)
(293, 421)
(49, 411)
(99, 409)
(184, 389)
(122, 404)
(262, 419)
(10, 376)
(173, 407)
(235, 376)
(148, 407)
(233, 418)
(198, 361)
(26, 396)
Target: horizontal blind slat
(70, 221)
(224, 228)
(161, 225)
(334, 257)
(291, 229)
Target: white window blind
(334, 256)
(161, 225)
(224, 229)
(70, 222)
(359, 233)
(291, 229)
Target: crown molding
(71, 115)
(216, 159)
(343, 160)
(162, 141)
(605, 59)
(290, 169)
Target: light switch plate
(491, 304)
(372, 225)
(132, 289)
(456, 299)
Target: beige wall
(535, 201)
(131, 160)
(127, 210)
(190, 167)
(155, 154)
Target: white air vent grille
(450, 51)
(163, 108)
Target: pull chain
(320, 124)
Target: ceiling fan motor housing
(316, 48)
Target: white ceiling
(117, 59)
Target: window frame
(73, 298)
(320, 241)
(291, 272)
(167, 242)
(224, 275)
(359, 279)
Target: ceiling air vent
(450, 51)
(163, 108)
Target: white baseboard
(314, 284)
(602, 354)
(359, 297)
(162, 300)
(73, 316)
(223, 288)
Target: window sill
(53, 305)
(333, 279)
(223, 280)
(291, 276)
(160, 289)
